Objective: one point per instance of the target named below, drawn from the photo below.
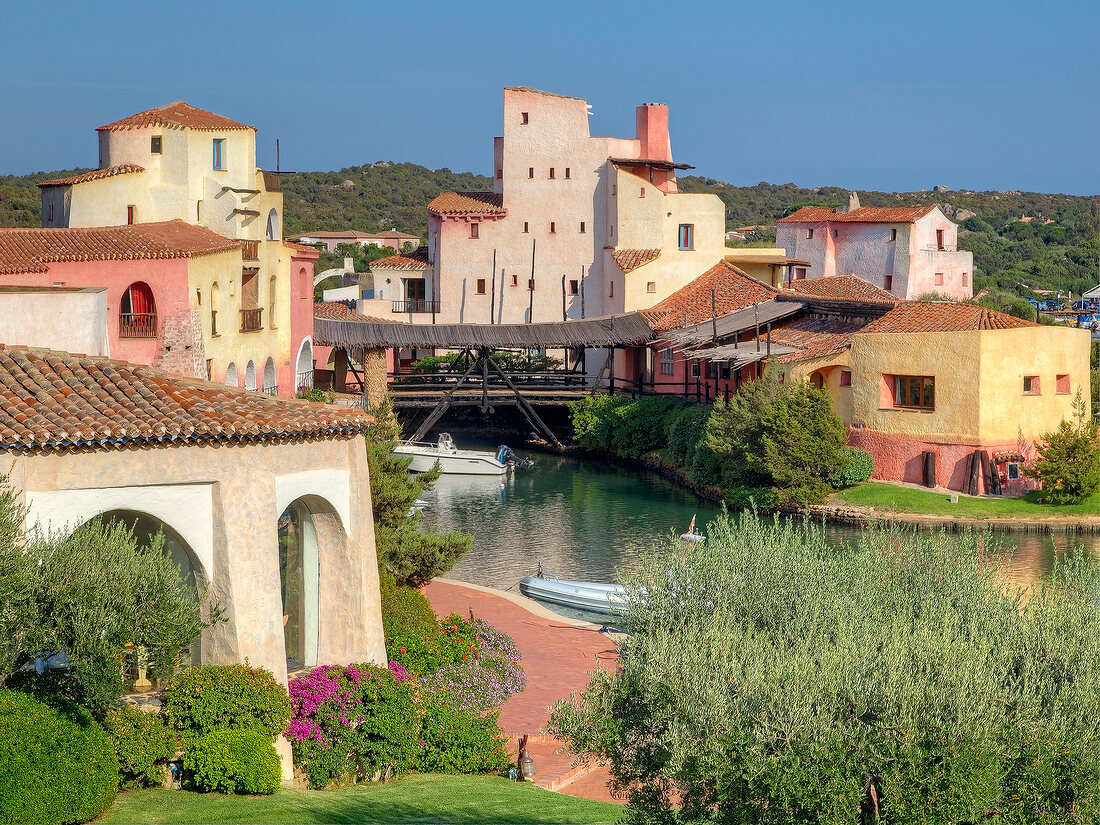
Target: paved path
(558, 653)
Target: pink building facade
(910, 252)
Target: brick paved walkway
(558, 653)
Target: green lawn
(891, 497)
(420, 799)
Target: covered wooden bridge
(477, 378)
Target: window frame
(1062, 384)
(900, 400)
(668, 361)
(218, 163)
(156, 145)
(480, 287)
(651, 287)
(574, 286)
(1032, 385)
(475, 230)
(685, 237)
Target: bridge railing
(408, 381)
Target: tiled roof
(176, 115)
(865, 214)
(936, 316)
(408, 260)
(733, 290)
(630, 259)
(95, 174)
(347, 233)
(303, 248)
(339, 311)
(393, 233)
(58, 401)
(468, 203)
(29, 250)
(848, 287)
(529, 90)
(814, 337)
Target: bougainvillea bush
(352, 718)
(453, 641)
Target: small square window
(686, 236)
(515, 280)
(551, 173)
(553, 227)
(694, 371)
(475, 230)
(800, 273)
(582, 227)
(567, 173)
(1031, 385)
(480, 286)
(574, 287)
(893, 234)
(524, 119)
(1013, 471)
(531, 284)
(888, 282)
(809, 234)
(845, 378)
(1061, 385)
(525, 225)
(939, 279)
(641, 192)
(155, 145)
(219, 154)
(530, 171)
(500, 174)
(650, 286)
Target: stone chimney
(651, 126)
(853, 202)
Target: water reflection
(586, 520)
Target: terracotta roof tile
(407, 260)
(630, 259)
(733, 290)
(355, 233)
(303, 248)
(339, 311)
(176, 115)
(58, 401)
(95, 174)
(30, 250)
(865, 214)
(468, 203)
(936, 316)
(849, 287)
(814, 337)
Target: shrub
(452, 641)
(226, 697)
(1069, 457)
(459, 741)
(765, 676)
(860, 467)
(144, 745)
(233, 761)
(405, 611)
(487, 677)
(56, 764)
(353, 718)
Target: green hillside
(1009, 254)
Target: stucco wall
(45, 318)
(225, 502)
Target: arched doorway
(817, 380)
(270, 385)
(231, 379)
(273, 225)
(137, 312)
(303, 370)
(299, 571)
(250, 376)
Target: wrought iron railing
(304, 380)
(271, 389)
(137, 325)
(250, 250)
(416, 305)
(252, 319)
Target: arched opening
(215, 305)
(272, 295)
(273, 225)
(250, 376)
(270, 386)
(231, 379)
(303, 379)
(299, 582)
(817, 380)
(137, 313)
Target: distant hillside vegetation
(1010, 255)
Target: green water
(585, 520)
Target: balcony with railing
(137, 325)
(416, 305)
(252, 319)
(250, 250)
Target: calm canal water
(585, 520)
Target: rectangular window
(809, 234)
(800, 273)
(219, 153)
(966, 279)
(530, 171)
(915, 392)
(724, 372)
(155, 145)
(129, 214)
(567, 173)
(1031, 385)
(694, 369)
(530, 284)
(500, 174)
(888, 283)
(687, 236)
(845, 378)
(614, 189)
(515, 280)
(551, 173)
(836, 234)
(641, 192)
(611, 290)
(1061, 385)
(480, 286)
(523, 119)
(939, 239)
(666, 362)
(893, 234)
(475, 230)
(651, 286)
(553, 227)
(582, 227)
(939, 279)
(1013, 471)
(525, 229)
(574, 287)
(49, 213)
(712, 370)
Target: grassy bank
(420, 798)
(895, 498)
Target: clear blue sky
(869, 95)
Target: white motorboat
(453, 460)
(591, 597)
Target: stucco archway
(231, 379)
(299, 586)
(303, 370)
(273, 225)
(250, 376)
(270, 383)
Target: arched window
(231, 379)
(270, 386)
(272, 294)
(273, 225)
(215, 305)
(250, 376)
(298, 580)
(137, 313)
(304, 367)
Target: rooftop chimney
(853, 202)
(651, 121)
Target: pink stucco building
(908, 251)
(566, 207)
